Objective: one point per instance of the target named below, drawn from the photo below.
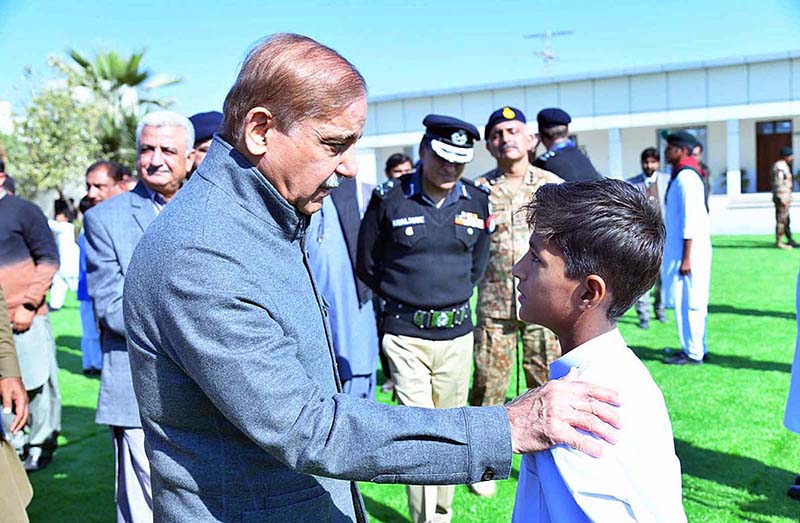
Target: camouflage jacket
(497, 293)
(781, 179)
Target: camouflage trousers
(643, 303)
(496, 344)
(782, 219)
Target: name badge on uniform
(469, 219)
(409, 220)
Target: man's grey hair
(167, 119)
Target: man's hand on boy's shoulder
(552, 414)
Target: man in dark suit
(113, 228)
(230, 347)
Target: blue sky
(398, 46)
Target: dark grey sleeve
(275, 403)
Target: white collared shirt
(638, 479)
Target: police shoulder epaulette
(489, 178)
(384, 188)
(546, 156)
(483, 187)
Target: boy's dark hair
(62, 206)
(649, 153)
(396, 159)
(603, 227)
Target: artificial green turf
(737, 458)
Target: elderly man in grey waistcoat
(228, 336)
(164, 143)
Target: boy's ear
(594, 291)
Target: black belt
(429, 319)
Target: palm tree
(123, 90)
(116, 77)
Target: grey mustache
(333, 181)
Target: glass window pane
(783, 127)
(766, 128)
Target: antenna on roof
(547, 53)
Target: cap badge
(459, 137)
(508, 113)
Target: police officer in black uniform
(562, 158)
(423, 246)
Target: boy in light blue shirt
(596, 247)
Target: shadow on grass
(768, 484)
(720, 360)
(728, 309)
(78, 485)
(68, 360)
(383, 512)
(628, 320)
(754, 244)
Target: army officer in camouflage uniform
(781, 178)
(512, 184)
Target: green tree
(89, 111)
(122, 89)
(53, 142)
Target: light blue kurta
(355, 333)
(686, 218)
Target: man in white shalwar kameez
(686, 272)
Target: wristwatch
(30, 306)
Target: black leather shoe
(681, 359)
(644, 324)
(794, 492)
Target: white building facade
(743, 110)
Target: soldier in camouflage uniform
(781, 178)
(499, 328)
(513, 183)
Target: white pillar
(733, 160)
(614, 154)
